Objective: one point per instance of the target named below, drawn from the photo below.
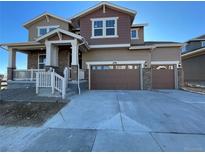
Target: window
(121, 67)
(42, 31)
(98, 28)
(107, 67)
(110, 27)
(45, 29)
(41, 61)
(104, 27)
(133, 67)
(203, 44)
(134, 34)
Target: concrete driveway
(165, 120)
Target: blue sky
(168, 21)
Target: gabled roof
(199, 38)
(27, 24)
(139, 25)
(61, 31)
(123, 9)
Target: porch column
(48, 53)
(11, 63)
(74, 62)
(54, 55)
(51, 55)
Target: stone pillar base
(10, 73)
(74, 72)
(180, 77)
(147, 78)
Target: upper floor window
(203, 44)
(45, 29)
(104, 27)
(134, 34)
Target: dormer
(43, 24)
(137, 34)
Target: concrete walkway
(166, 120)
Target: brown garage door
(115, 77)
(163, 77)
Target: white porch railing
(26, 75)
(52, 80)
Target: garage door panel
(118, 78)
(163, 77)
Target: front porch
(56, 51)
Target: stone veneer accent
(10, 73)
(180, 78)
(147, 78)
(74, 72)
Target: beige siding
(166, 54)
(193, 70)
(115, 55)
(33, 33)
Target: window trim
(45, 27)
(104, 27)
(137, 33)
(202, 43)
(39, 60)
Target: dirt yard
(27, 114)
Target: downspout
(79, 91)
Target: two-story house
(102, 47)
(193, 60)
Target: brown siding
(64, 37)
(33, 58)
(194, 68)
(33, 33)
(141, 37)
(64, 58)
(121, 54)
(123, 27)
(166, 54)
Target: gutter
(193, 52)
(154, 46)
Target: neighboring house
(193, 60)
(108, 48)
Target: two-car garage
(115, 77)
(130, 76)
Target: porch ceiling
(24, 46)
